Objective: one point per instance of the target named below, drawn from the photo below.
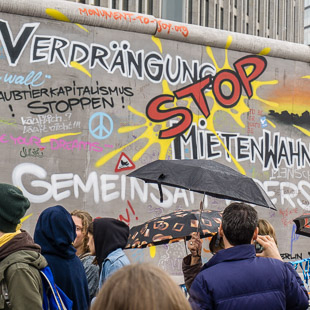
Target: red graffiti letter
(230, 77)
(154, 113)
(259, 64)
(195, 91)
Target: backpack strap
(5, 293)
(54, 292)
(62, 304)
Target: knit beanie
(13, 206)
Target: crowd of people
(89, 265)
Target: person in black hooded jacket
(55, 233)
(107, 239)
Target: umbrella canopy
(204, 176)
(303, 225)
(173, 227)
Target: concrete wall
(80, 87)
(281, 20)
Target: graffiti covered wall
(82, 106)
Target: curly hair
(86, 221)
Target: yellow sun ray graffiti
(151, 136)
(158, 43)
(78, 66)
(61, 17)
(264, 51)
(271, 123)
(303, 130)
(152, 251)
(58, 136)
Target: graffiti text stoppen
(94, 97)
(117, 57)
(237, 79)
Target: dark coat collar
(239, 252)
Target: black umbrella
(173, 227)
(204, 176)
(303, 225)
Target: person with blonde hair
(266, 229)
(82, 220)
(141, 286)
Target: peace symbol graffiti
(105, 127)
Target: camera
(258, 248)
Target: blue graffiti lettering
(32, 79)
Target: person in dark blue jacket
(238, 278)
(55, 233)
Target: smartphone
(258, 248)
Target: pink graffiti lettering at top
(32, 141)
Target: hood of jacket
(55, 232)
(29, 257)
(109, 234)
(22, 241)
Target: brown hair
(86, 221)
(141, 286)
(265, 228)
(239, 222)
(216, 243)
(90, 228)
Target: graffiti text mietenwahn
(270, 149)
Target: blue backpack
(53, 297)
